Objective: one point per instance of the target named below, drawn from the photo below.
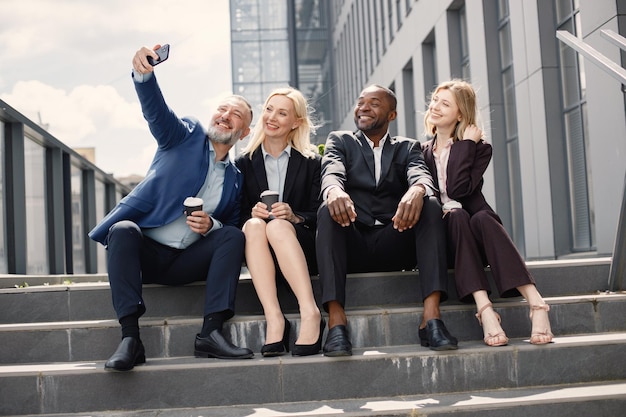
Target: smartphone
(163, 53)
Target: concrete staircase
(56, 333)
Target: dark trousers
(479, 240)
(134, 259)
(360, 248)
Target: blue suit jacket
(178, 170)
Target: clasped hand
(341, 207)
(409, 208)
(280, 210)
(200, 222)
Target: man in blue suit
(148, 237)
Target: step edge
(469, 348)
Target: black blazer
(348, 163)
(302, 185)
(467, 164)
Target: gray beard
(223, 138)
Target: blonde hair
(465, 98)
(300, 137)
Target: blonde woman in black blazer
(457, 157)
(281, 158)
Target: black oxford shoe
(437, 337)
(216, 346)
(130, 352)
(337, 342)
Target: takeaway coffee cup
(268, 198)
(192, 204)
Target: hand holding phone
(163, 53)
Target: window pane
(578, 180)
(275, 66)
(36, 218)
(506, 58)
(503, 9)
(563, 9)
(78, 250)
(515, 195)
(4, 268)
(100, 212)
(508, 90)
(569, 75)
(244, 15)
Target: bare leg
(541, 332)
(489, 320)
(261, 266)
(282, 237)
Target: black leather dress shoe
(337, 342)
(216, 346)
(130, 352)
(437, 337)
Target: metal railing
(618, 263)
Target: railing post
(618, 263)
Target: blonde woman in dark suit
(457, 157)
(281, 158)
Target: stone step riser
(368, 328)
(202, 383)
(93, 301)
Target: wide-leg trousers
(477, 241)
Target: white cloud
(73, 116)
(69, 61)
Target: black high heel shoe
(308, 350)
(278, 348)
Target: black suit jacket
(348, 163)
(302, 185)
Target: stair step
(566, 400)
(385, 372)
(173, 336)
(89, 298)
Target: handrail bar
(615, 38)
(618, 263)
(593, 55)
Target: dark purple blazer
(467, 164)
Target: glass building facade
(546, 117)
(278, 43)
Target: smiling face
(443, 110)
(230, 122)
(279, 117)
(374, 111)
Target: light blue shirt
(276, 170)
(177, 234)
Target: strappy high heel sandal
(537, 337)
(492, 339)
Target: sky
(67, 63)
